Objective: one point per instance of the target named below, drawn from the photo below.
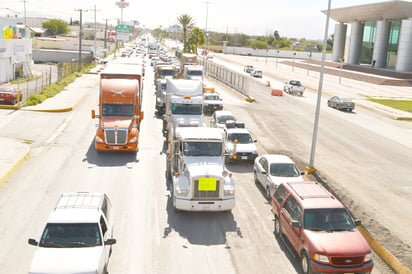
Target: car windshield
(117, 110)
(242, 138)
(71, 235)
(211, 97)
(328, 219)
(223, 119)
(202, 148)
(295, 83)
(195, 109)
(284, 170)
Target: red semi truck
(120, 111)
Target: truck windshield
(202, 148)
(71, 235)
(194, 109)
(168, 72)
(117, 110)
(195, 72)
(328, 219)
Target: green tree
(258, 44)
(196, 39)
(56, 26)
(159, 33)
(187, 22)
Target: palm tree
(187, 22)
(196, 39)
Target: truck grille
(116, 136)
(347, 261)
(205, 194)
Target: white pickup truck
(293, 87)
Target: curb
(383, 253)
(15, 166)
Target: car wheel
(277, 227)
(268, 196)
(305, 264)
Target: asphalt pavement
(14, 152)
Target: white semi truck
(184, 105)
(195, 165)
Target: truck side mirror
(141, 115)
(93, 114)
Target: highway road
(152, 238)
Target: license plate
(206, 208)
(243, 157)
(115, 147)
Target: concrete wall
(15, 55)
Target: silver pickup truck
(293, 87)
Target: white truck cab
(193, 72)
(77, 237)
(195, 163)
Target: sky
(291, 18)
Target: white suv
(240, 146)
(77, 237)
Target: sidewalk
(14, 153)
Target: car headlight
(368, 257)
(320, 258)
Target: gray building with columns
(378, 34)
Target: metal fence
(42, 76)
(241, 82)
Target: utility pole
(95, 32)
(25, 17)
(80, 37)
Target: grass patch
(404, 105)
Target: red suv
(319, 229)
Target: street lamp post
(310, 56)
(311, 167)
(277, 57)
(293, 61)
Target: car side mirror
(110, 242)
(357, 222)
(33, 242)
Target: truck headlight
(229, 192)
(133, 140)
(99, 140)
(320, 258)
(181, 191)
